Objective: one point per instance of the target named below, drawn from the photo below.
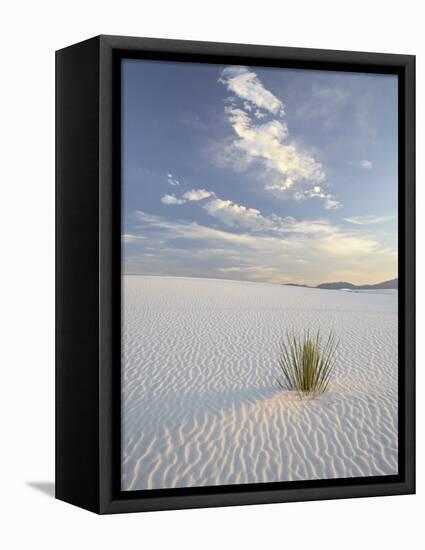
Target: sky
(258, 174)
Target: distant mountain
(393, 283)
(336, 286)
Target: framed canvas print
(235, 274)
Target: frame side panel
(77, 274)
(109, 278)
(408, 267)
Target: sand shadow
(46, 487)
(218, 401)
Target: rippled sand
(200, 402)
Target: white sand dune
(200, 402)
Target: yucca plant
(306, 363)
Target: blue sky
(259, 174)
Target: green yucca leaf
(305, 364)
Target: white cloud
(313, 252)
(127, 238)
(367, 220)
(255, 272)
(368, 164)
(330, 201)
(283, 162)
(171, 199)
(268, 143)
(174, 182)
(236, 215)
(258, 114)
(197, 195)
(232, 214)
(246, 85)
(195, 231)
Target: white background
(30, 32)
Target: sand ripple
(200, 403)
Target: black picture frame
(88, 235)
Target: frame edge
(108, 44)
